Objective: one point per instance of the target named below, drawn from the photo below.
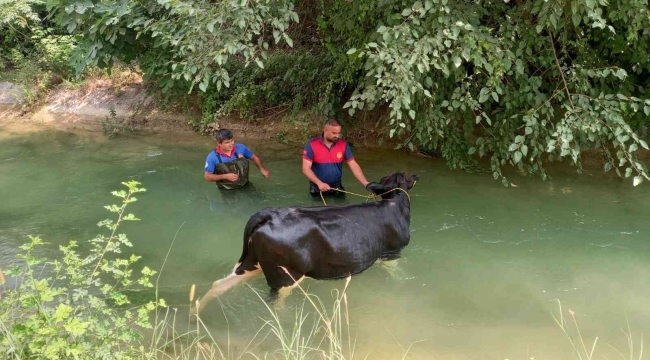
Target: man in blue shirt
(228, 151)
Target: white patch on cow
(392, 268)
(285, 291)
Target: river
(480, 279)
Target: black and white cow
(322, 242)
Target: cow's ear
(376, 188)
(412, 180)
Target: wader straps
(219, 156)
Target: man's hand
(323, 187)
(265, 173)
(231, 177)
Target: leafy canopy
(521, 82)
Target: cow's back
(330, 242)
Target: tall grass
(584, 350)
(317, 332)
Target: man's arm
(309, 173)
(208, 172)
(214, 177)
(357, 172)
(258, 162)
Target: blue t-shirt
(327, 163)
(212, 160)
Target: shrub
(77, 305)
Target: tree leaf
(576, 18)
(412, 114)
(457, 61)
(407, 12)
(287, 39)
(644, 144)
(259, 63)
(471, 151)
(351, 51)
(637, 180)
(518, 156)
(211, 26)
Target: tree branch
(557, 62)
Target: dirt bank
(125, 103)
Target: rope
(367, 197)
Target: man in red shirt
(322, 161)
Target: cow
(288, 244)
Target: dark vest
(238, 166)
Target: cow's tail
(255, 222)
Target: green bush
(76, 305)
(34, 52)
(54, 52)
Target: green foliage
(25, 35)
(519, 82)
(34, 54)
(180, 43)
(76, 305)
(278, 88)
(112, 126)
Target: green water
(478, 281)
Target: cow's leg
(278, 279)
(392, 267)
(284, 291)
(221, 286)
(390, 256)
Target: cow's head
(390, 182)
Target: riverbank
(124, 103)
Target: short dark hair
(222, 135)
(332, 122)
